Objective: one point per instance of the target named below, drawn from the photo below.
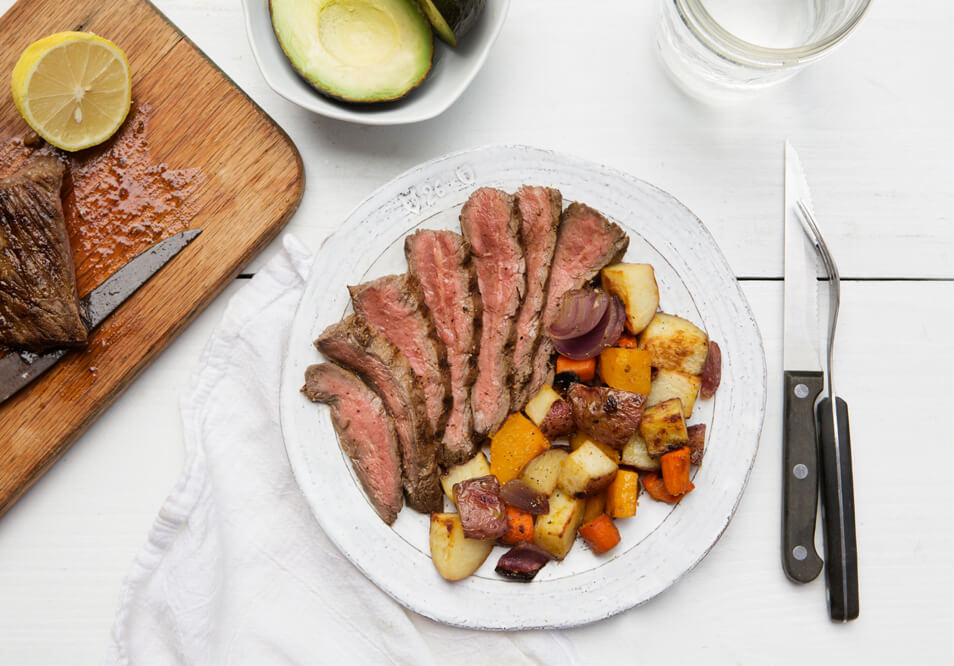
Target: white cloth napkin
(236, 570)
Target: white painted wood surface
(873, 125)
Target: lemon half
(72, 88)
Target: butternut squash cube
(516, 443)
(627, 369)
(623, 494)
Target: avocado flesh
(355, 50)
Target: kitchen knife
(19, 369)
(802, 383)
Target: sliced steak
(357, 346)
(610, 416)
(586, 243)
(482, 512)
(395, 306)
(538, 209)
(39, 308)
(365, 431)
(490, 226)
(441, 262)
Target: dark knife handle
(800, 476)
(838, 512)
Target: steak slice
(586, 243)
(610, 416)
(353, 344)
(39, 308)
(441, 262)
(538, 209)
(365, 431)
(395, 306)
(490, 225)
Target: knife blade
(19, 369)
(803, 382)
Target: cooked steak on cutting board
(441, 262)
(586, 243)
(39, 308)
(538, 210)
(357, 346)
(394, 305)
(490, 225)
(366, 433)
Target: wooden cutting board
(250, 182)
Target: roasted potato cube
(455, 556)
(586, 471)
(674, 384)
(635, 284)
(472, 469)
(697, 442)
(712, 373)
(578, 439)
(675, 343)
(635, 455)
(540, 404)
(556, 530)
(663, 427)
(543, 472)
(516, 443)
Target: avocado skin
(327, 92)
(460, 16)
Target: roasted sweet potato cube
(675, 343)
(663, 427)
(674, 384)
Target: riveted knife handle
(838, 512)
(800, 476)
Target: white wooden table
(874, 125)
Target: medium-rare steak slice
(365, 431)
(394, 304)
(610, 416)
(39, 308)
(353, 344)
(586, 243)
(490, 225)
(538, 209)
(441, 262)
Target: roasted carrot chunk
(622, 495)
(585, 370)
(600, 534)
(675, 471)
(626, 341)
(656, 487)
(519, 527)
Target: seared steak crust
(610, 416)
(586, 243)
(394, 305)
(490, 225)
(442, 265)
(357, 346)
(365, 431)
(39, 308)
(538, 209)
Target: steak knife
(815, 440)
(19, 369)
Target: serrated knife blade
(19, 369)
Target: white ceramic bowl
(453, 70)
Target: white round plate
(662, 542)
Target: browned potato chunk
(697, 442)
(635, 284)
(550, 413)
(586, 471)
(455, 556)
(543, 472)
(578, 439)
(556, 530)
(675, 343)
(663, 427)
(472, 469)
(636, 455)
(674, 384)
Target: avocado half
(452, 18)
(355, 50)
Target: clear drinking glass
(724, 50)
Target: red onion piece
(523, 561)
(603, 335)
(520, 496)
(580, 312)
